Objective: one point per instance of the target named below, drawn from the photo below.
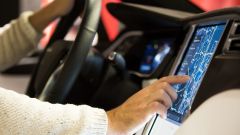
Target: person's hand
(62, 7)
(141, 107)
(46, 15)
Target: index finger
(175, 79)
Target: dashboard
(154, 54)
(156, 50)
(161, 42)
(145, 51)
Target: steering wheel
(62, 79)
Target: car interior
(151, 44)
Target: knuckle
(170, 104)
(163, 78)
(155, 106)
(177, 76)
(175, 96)
(165, 84)
(161, 92)
(167, 103)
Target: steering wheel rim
(62, 79)
(40, 76)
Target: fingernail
(164, 116)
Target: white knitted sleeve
(17, 39)
(21, 115)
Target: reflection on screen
(154, 55)
(195, 64)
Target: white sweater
(17, 39)
(21, 115)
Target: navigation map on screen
(195, 64)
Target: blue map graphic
(195, 64)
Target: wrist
(110, 116)
(115, 123)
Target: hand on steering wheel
(62, 79)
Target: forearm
(22, 115)
(17, 39)
(22, 35)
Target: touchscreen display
(195, 63)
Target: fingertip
(163, 115)
(175, 96)
(187, 77)
(175, 79)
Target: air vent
(232, 44)
(237, 31)
(235, 45)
